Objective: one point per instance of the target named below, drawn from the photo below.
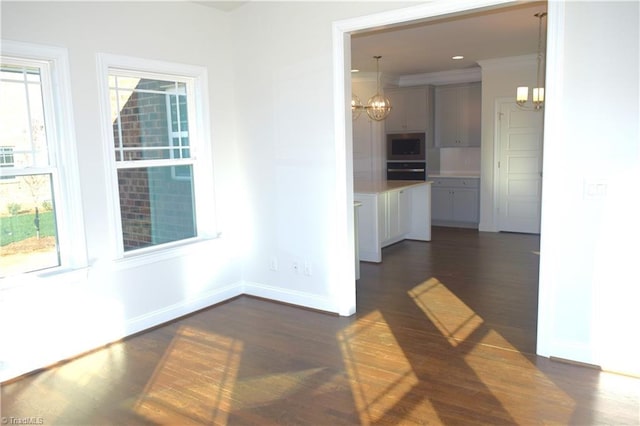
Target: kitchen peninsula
(391, 211)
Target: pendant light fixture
(378, 106)
(522, 93)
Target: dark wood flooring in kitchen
(445, 334)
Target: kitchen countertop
(378, 186)
(466, 175)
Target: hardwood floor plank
(444, 334)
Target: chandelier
(522, 93)
(378, 106)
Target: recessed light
(355, 70)
(457, 57)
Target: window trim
(62, 153)
(199, 140)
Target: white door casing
(519, 168)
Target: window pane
(178, 115)
(156, 206)
(146, 114)
(22, 123)
(28, 231)
(144, 120)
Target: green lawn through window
(22, 226)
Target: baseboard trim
(185, 307)
(292, 297)
(452, 224)
(578, 363)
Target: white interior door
(519, 169)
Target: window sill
(131, 260)
(48, 276)
(150, 255)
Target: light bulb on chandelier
(522, 92)
(356, 107)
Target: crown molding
(509, 62)
(468, 75)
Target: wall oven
(407, 170)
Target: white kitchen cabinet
(393, 212)
(455, 202)
(388, 215)
(368, 227)
(405, 211)
(411, 111)
(464, 205)
(440, 204)
(397, 215)
(457, 115)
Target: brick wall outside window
(169, 215)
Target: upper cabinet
(457, 115)
(411, 111)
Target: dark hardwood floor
(444, 334)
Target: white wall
(48, 319)
(589, 286)
(284, 88)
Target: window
(153, 136)
(6, 156)
(37, 167)
(6, 159)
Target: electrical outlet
(307, 268)
(273, 263)
(595, 188)
(296, 267)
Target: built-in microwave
(406, 147)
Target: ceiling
(225, 6)
(427, 47)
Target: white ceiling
(428, 47)
(225, 6)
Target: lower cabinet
(392, 215)
(455, 202)
(395, 215)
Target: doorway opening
(342, 35)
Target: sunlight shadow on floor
(455, 320)
(369, 349)
(187, 387)
(477, 344)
